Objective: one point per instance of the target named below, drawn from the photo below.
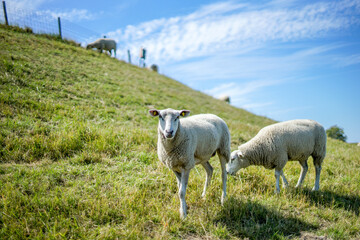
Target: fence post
(5, 14)
(129, 56)
(59, 23)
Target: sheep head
(169, 120)
(237, 161)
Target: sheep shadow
(331, 199)
(255, 221)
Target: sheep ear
(240, 154)
(184, 113)
(154, 112)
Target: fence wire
(46, 22)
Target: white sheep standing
(183, 143)
(106, 44)
(225, 98)
(278, 143)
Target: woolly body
(276, 144)
(183, 143)
(106, 44)
(197, 139)
(225, 98)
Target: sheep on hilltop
(101, 44)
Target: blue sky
(280, 59)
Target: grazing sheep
(106, 44)
(154, 67)
(194, 140)
(276, 144)
(225, 98)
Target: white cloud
(227, 26)
(240, 93)
(348, 60)
(24, 4)
(239, 90)
(27, 7)
(73, 15)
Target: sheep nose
(170, 132)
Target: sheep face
(169, 120)
(237, 161)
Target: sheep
(154, 68)
(183, 143)
(225, 98)
(274, 145)
(106, 44)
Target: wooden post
(59, 23)
(5, 14)
(129, 56)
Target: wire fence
(45, 22)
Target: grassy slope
(78, 158)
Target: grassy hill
(78, 158)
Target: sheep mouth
(168, 136)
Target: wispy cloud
(240, 92)
(348, 60)
(27, 7)
(25, 4)
(227, 25)
(236, 89)
(73, 15)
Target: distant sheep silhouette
(154, 68)
(225, 98)
(106, 44)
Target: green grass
(78, 158)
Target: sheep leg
(304, 169)
(182, 192)
(317, 178)
(285, 182)
(178, 179)
(223, 161)
(209, 172)
(277, 177)
(102, 47)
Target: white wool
(183, 143)
(106, 44)
(275, 145)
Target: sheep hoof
(315, 189)
(223, 200)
